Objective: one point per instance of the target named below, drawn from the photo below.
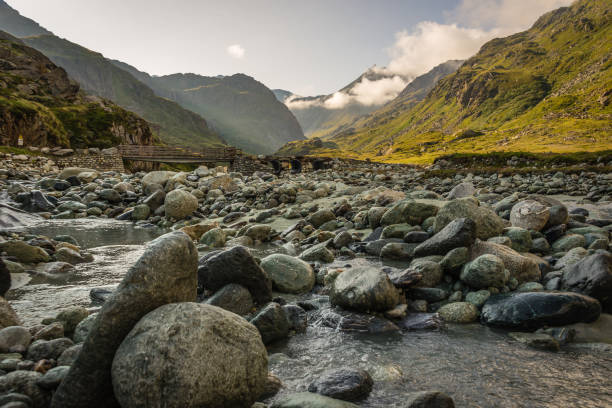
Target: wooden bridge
(176, 154)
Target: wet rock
(69, 356)
(455, 259)
(17, 400)
(52, 378)
(529, 215)
(416, 237)
(459, 312)
(355, 322)
(428, 399)
(226, 364)
(431, 295)
(155, 200)
(110, 195)
(214, 238)
(24, 382)
(71, 317)
(235, 265)
(297, 317)
(259, 232)
(592, 276)
(310, 400)
(532, 310)
(52, 349)
(523, 268)
(272, 323)
(52, 331)
(478, 298)
(318, 253)
(141, 212)
(165, 273)
(14, 339)
(405, 278)
(234, 298)
(485, 271)
(431, 272)
(288, 274)
(196, 231)
(536, 340)
(568, 242)
(8, 317)
(422, 321)
(460, 232)
(364, 289)
(343, 239)
(179, 204)
(343, 384)
(69, 256)
(488, 224)
(397, 251)
(23, 252)
(321, 217)
(398, 231)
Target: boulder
(179, 204)
(74, 171)
(8, 317)
(532, 310)
(24, 382)
(430, 271)
(234, 298)
(52, 349)
(459, 312)
(428, 399)
(484, 272)
(235, 265)
(214, 238)
(289, 274)
(530, 215)
(165, 273)
(321, 217)
(204, 357)
(310, 400)
(488, 224)
(318, 253)
(460, 232)
(272, 323)
(364, 289)
(591, 276)
(408, 212)
(24, 252)
(345, 384)
(157, 177)
(14, 339)
(462, 190)
(523, 268)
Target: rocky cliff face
(42, 105)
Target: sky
(307, 47)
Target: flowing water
(477, 366)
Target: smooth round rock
(345, 384)
(484, 272)
(364, 289)
(179, 204)
(186, 355)
(289, 274)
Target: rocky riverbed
(375, 286)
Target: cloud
(514, 15)
(366, 92)
(236, 51)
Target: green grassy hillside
(39, 103)
(546, 89)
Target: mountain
(545, 89)
(281, 94)
(96, 75)
(324, 115)
(242, 110)
(41, 104)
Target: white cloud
(236, 51)
(366, 92)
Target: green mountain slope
(170, 122)
(242, 110)
(545, 89)
(41, 104)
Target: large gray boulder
(488, 224)
(485, 271)
(591, 276)
(364, 289)
(190, 355)
(157, 177)
(179, 204)
(235, 265)
(458, 233)
(532, 310)
(530, 215)
(165, 273)
(289, 274)
(408, 212)
(523, 268)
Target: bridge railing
(139, 152)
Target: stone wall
(249, 165)
(100, 162)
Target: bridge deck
(176, 154)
